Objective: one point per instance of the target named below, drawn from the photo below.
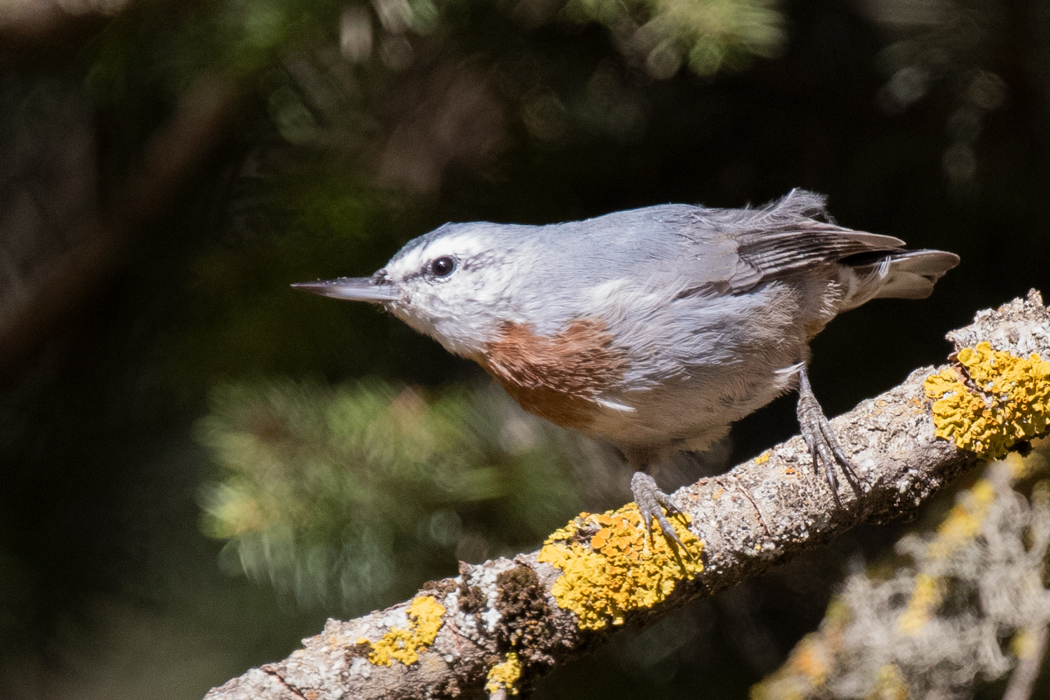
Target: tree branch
(1029, 664)
(501, 624)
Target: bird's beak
(352, 288)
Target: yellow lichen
(505, 675)
(828, 656)
(960, 527)
(1025, 643)
(424, 621)
(809, 660)
(924, 600)
(1011, 401)
(805, 670)
(610, 566)
(1027, 467)
(964, 520)
(890, 685)
(763, 458)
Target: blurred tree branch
(27, 25)
(955, 604)
(56, 285)
(1022, 680)
(499, 625)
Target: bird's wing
(741, 248)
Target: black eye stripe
(443, 266)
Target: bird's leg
(651, 503)
(816, 431)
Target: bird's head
(453, 284)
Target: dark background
(169, 167)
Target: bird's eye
(443, 266)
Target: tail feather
(911, 275)
(908, 274)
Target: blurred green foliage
(708, 35)
(347, 495)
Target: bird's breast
(556, 377)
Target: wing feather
(786, 237)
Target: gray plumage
(709, 311)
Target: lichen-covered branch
(499, 625)
(965, 603)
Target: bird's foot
(820, 438)
(651, 503)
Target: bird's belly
(698, 365)
(673, 375)
(685, 415)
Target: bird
(651, 329)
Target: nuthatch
(651, 329)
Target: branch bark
(761, 513)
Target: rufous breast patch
(557, 377)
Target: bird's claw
(652, 502)
(824, 448)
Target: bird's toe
(652, 502)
